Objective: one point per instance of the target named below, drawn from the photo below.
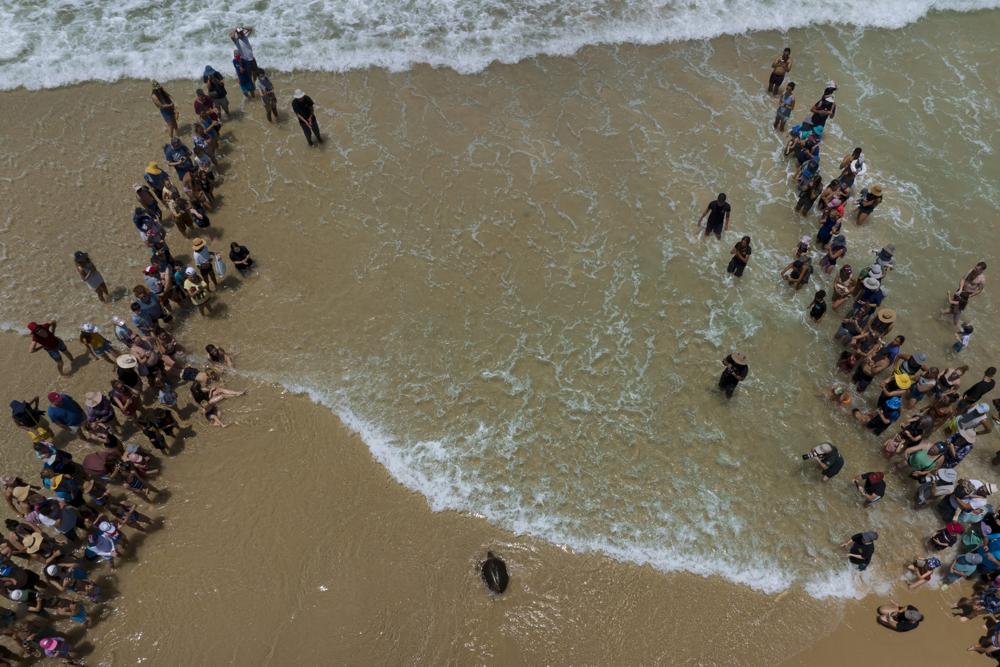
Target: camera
(819, 450)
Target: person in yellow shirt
(97, 345)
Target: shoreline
(382, 562)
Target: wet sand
(284, 540)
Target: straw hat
(739, 358)
(32, 543)
(21, 493)
(886, 315)
(92, 399)
(876, 190)
(153, 169)
(198, 243)
(126, 361)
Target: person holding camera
(829, 459)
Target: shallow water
(498, 281)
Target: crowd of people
(933, 422)
(100, 455)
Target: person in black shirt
(741, 255)
(873, 487)
(736, 371)
(829, 459)
(974, 393)
(239, 255)
(302, 107)
(861, 548)
(818, 306)
(718, 216)
(899, 618)
(825, 108)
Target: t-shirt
(203, 256)
(859, 548)
(717, 213)
(904, 624)
(264, 85)
(817, 310)
(877, 488)
(818, 118)
(239, 253)
(181, 153)
(962, 564)
(216, 88)
(67, 413)
(978, 390)
(93, 340)
(49, 342)
(303, 107)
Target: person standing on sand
(90, 275)
(735, 372)
(97, 346)
(267, 96)
(741, 255)
(216, 88)
(302, 107)
(178, 156)
(156, 179)
(718, 212)
(781, 66)
(43, 337)
(197, 290)
(162, 100)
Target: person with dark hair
(785, 107)
(861, 549)
(267, 95)
(735, 372)
(718, 212)
(741, 255)
(162, 100)
(818, 306)
(976, 392)
(781, 66)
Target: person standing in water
(90, 275)
(162, 100)
(781, 66)
(736, 370)
(867, 203)
(741, 255)
(267, 96)
(302, 107)
(786, 105)
(825, 108)
(974, 281)
(241, 38)
(718, 212)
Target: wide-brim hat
(903, 381)
(198, 243)
(21, 493)
(153, 169)
(92, 399)
(886, 315)
(32, 543)
(876, 190)
(871, 283)
(739, 358)
(126, 361)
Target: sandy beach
(510, 257)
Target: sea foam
(49, 44)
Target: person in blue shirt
(65, 412)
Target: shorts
(189, 373)
(714, 229)
(775, 79)
(104, 349)
(168, 116)
(736, 267)
(55, 353)
(915, 393)
(834, 468)
(866, 209)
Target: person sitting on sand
(901, 619)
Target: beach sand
(284, 540)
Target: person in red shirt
(43, 337)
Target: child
(218, 357)
(956, 304)
(841, 396)
(803, 247)
(923, 568)
(962, 337)
(818, 306)
(741, 255)
(97, 345)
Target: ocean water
(45, 44)
(494, 275)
